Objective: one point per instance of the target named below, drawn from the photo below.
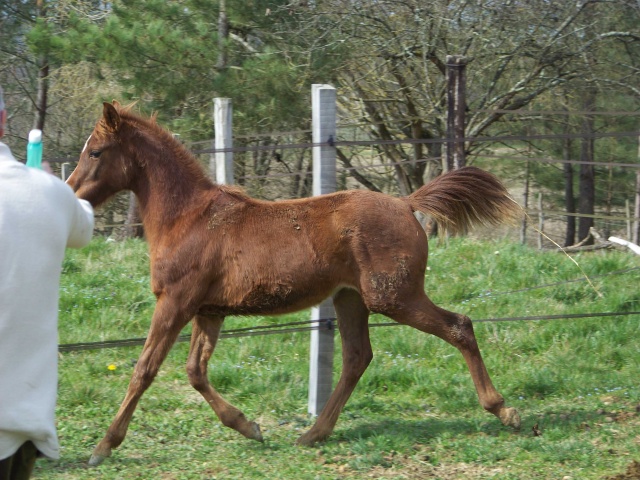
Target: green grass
(414, 413)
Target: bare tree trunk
(587, 171)
(415, 168)
(381, 131)
(606, 228)
(298, 178)
(43, 80)
(133, 226)
(354, 173)
(302, 174)
(456, 108)
(569, 200)
(635, 233)
(525, 204)
(223, 35)
(43, 90)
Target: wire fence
(321, 324)
(330, 323)
(279, 165)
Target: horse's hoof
(309, 439)
(305, 440)
(96, 460)
(510, 417)
(255, 433)
(251, 430)
(98, 455)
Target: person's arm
(82, 225)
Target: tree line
(59, 59)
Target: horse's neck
(168, 188)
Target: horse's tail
(462, 198)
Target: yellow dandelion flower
(112, 367)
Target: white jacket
(39, 217)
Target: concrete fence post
(65, 171)
(221, 161)
(323, 102)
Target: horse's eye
(95, 153)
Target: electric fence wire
(329, 323)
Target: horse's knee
(143, 376)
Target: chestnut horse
(216, 251)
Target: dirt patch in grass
(632, 473)
(458, 471)
(411, 467)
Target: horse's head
(107, 163)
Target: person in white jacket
(39, 217)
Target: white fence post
(221, 162)
(65, 171)
(323, 101)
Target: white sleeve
(82, 225)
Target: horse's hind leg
(203, 341)
(457, 330)
(356, 356)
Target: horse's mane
(149, 123)
(179, 152)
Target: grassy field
(413, 415)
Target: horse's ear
(116, 103)
(111, 117)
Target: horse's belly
(273, 299)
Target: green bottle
(34, 149)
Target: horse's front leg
(203, 341)
(168, 319)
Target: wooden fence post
(221, 161)
(456, 110)
(323, 101)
